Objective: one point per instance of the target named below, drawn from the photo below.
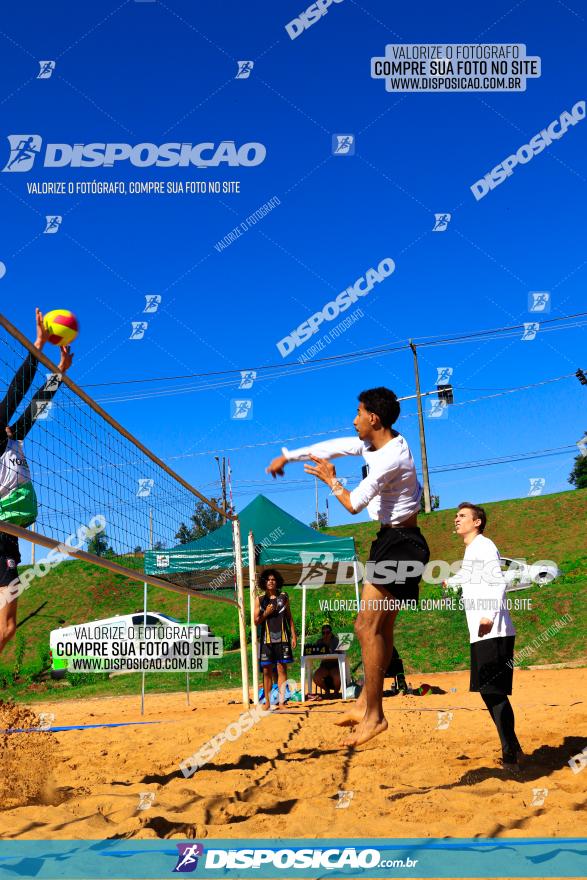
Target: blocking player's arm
(17, 389)
(327, 449)
(42, 397)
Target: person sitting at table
(327, 675)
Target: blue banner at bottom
(367, 858)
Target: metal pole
(303, 666)
(51, 544)
(425, 477)
(240, 596)
(187, 674)
(252, 597)
(33, 546)
(145, 610)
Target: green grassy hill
(544, 527)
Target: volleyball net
(86, 471)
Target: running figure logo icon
(46, 69)
(441, 222)
(247, 378)
(244, 69)
(343, 145)
(145, 488)
(531, 328)
(138, 329)
(444, 375)
(537, 484)
(187, 860)
(23, 151)
(241, 409)
(314, 570)
(539, 301)
(53, 223)
(152, 303)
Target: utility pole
(222, 472)
(425, 477)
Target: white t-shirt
(390, 491)
(483, 584)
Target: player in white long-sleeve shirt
(491, 630)
(391, 493)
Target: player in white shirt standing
(391, 493)
(491, 630)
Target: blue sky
(165, 71)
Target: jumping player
(18, 503)
(391, 493)
(491, 630)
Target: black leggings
(501, 711)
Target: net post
(252, 597)
(240, 596)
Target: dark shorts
(275, 652)
(492, 665)
(400, 545)
(8, 570)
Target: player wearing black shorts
(391, 493)
(277, 633)
(18, 503)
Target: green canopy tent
(270, 537)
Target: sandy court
(282, 777)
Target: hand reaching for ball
(66, 358)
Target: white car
(519, 575)
(118, 624)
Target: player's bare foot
(365, 731)
(352, 717)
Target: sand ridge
(283, 776)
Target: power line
(421, 342)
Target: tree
(138, 549)
(204, 521)
(158, 545)
(434, 502)
(322, 521)
(578, 476)
(98, 544)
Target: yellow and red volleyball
(62, 326)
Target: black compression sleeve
(17, 389)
